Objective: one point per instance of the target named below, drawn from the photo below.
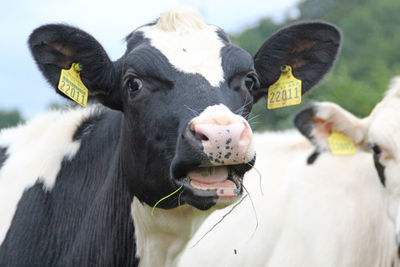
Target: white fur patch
(383, 128)
(380, 128)
(189, 44)
(35, 152)
(161, 238)
(394, 88)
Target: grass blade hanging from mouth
(173, 193)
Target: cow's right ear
(317, 121)
(57, 46)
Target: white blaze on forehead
(35, 153)
(189, 44)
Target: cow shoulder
(33, 153)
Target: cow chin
(219, 186)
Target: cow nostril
(201, 137)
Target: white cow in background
(328, 213)
(379, 132)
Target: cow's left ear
(56, 46)
(317, 121)
(309, 48)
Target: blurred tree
(370, 55)
(10, 118)
(61, 105)
(252, 38)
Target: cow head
(377, 132)
(185, 92)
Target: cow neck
(161, 237)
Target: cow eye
(134, 84)
(250, 81)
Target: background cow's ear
(309, 48)
(317, 121)
(57, 46)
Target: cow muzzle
(217, 152)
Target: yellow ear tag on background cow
(339, 144)
(286, 91)
(72, 86)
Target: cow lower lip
(217, 181)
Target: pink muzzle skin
(226, 137)
(227, 140)
(225, 144)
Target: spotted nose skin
(225, 136)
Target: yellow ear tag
(72, 86)
(286, 91)
(339, 144)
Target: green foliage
(10, 118)
(251, 39)
(370, 55)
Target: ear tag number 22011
(72, 86)
(286, 91)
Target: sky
(22, 86)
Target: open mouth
(221, 182)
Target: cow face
(376, 133)
(185, 92)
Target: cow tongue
(210, 178)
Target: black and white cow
(77, 187)
(376, 132)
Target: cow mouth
(220, 181)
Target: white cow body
(377, 132)
(329, 213)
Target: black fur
(142, 147)
(223, 36)
(86, 126)
(3, 155)
(85, 219)
(378, 166)
(313, 157)
(304, 121)
(309, 48)
(57, 46)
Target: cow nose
(226, 137)
(214, 135)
